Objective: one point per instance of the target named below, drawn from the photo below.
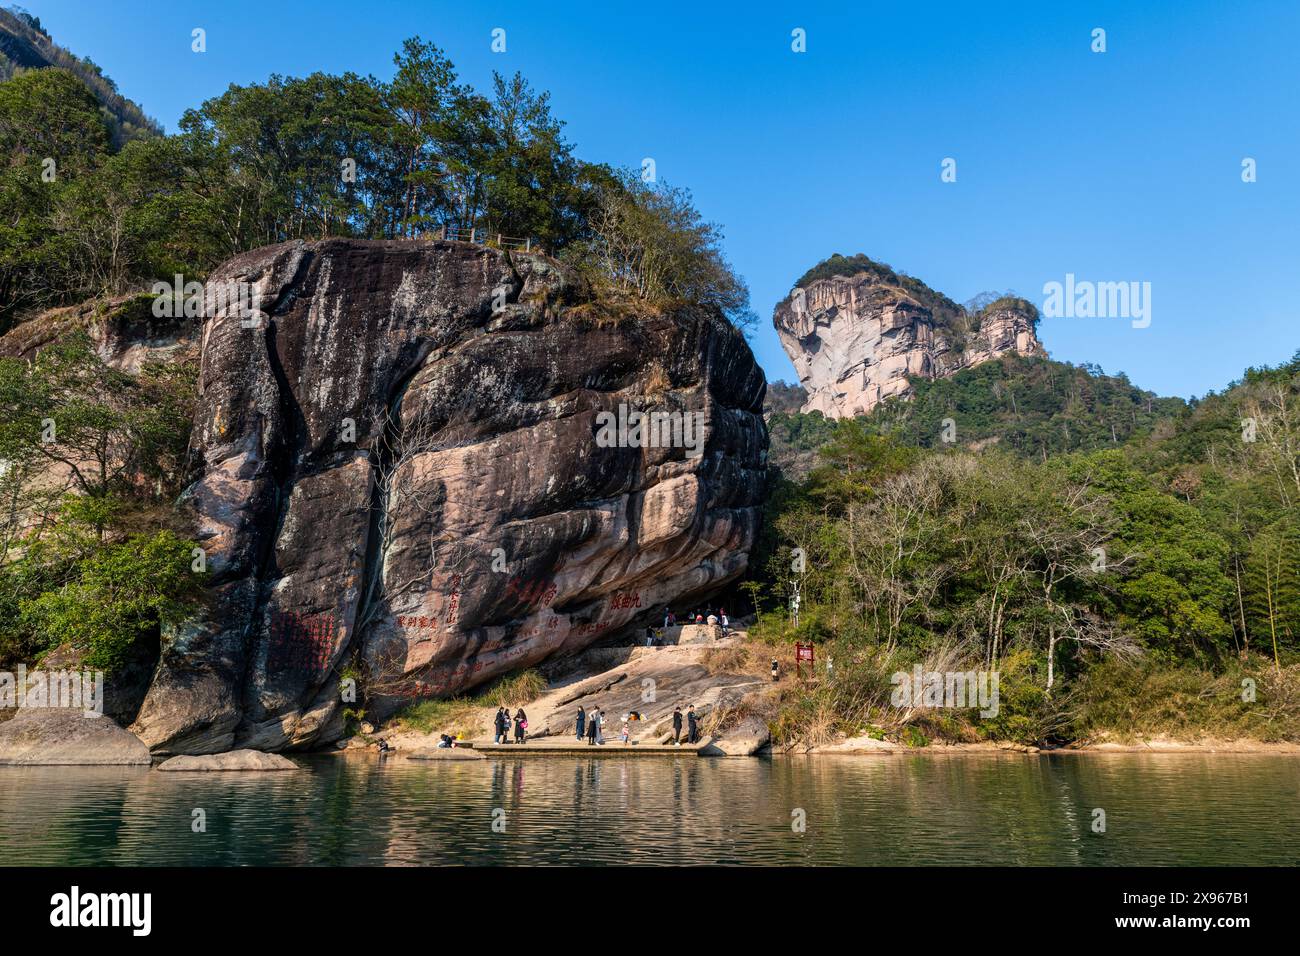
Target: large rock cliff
(402, 473)
(857, 332)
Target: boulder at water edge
(231, 760)
(61, 736)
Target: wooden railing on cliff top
(485, 238)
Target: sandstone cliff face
(855, 340)
(399, 470)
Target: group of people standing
(692, 726)
(501, 726)
(591, 725)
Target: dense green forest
(86, 212)
(1032, 407)
(92, 555)
(1124, 561)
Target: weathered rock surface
(618, 681)
(58, 735)
(399, 467)
(855, 340)
(123, 330)
(232, 760)
(745, 739)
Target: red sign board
(803, 652)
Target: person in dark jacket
(582, 723)
(692, 726)
(499, 724)
(521, 725)
(677, 726)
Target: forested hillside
(1125, 561)
(24, 45)
(1031, 407)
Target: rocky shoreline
(52, 737)
(722, 676)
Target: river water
(991, 809)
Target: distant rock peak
(858, 333)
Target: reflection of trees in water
(1161, 809)
(908, 810)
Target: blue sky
(1115, 166)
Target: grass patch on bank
(727, 660)
(1125, 703)
(464, 715)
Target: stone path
(649, 680)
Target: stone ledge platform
(553, 747)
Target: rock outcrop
(406, 471)
(60, 736)
(747, 738)
(857, 333)
(123, 330)
(246, 760)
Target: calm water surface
(978, 810)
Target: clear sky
(1117, 166)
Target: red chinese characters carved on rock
(453, 605)
(625, 601)
(300, 643)
(427, 622)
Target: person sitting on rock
(445, 742)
